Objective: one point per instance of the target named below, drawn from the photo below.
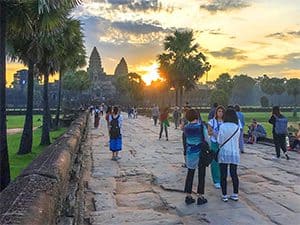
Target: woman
(96, 117)
(279, 131)
(115, 135)
(213, 130)
(229, 154)
(164, 122)
(194, 132)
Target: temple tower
(122, 68)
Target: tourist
(164, 122)
(115, 134)
(256, 131)
(229, 154)
(96, 117)
(134, 112)
(241, 119)
(183, 122)
(296, 140)
(213, 130)
(279, 131)
(108, 113)
(176, 117)
(155, 114)
(194, 133)
(101, 109)
(212, 111)
(91, 109)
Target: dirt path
(16, 130)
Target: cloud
(225, 5)
(230, 53)
(136, 5)
(284, 35)
(137, 27)
(286, 65)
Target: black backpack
(115, 131)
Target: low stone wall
(38, 195)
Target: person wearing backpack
(115, 135)
(96, 117)
(229, 153)
(279, 131)
(196, 133)
(213, 129)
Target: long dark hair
(276, 110)
(230, 116)
(216, 112)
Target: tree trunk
(26, 140)
(4, 161)
(45, 139)
(180, 97)
(59, 99)
(176, 96)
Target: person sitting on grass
(255, 132)
(296, 140)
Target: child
(194, 131)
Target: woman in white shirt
(213, 130)
(229, 154)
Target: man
(256, 131)
(155, 114)
(176, 117)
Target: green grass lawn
(19, 162)
(263, 118)
(18, 121)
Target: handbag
(217, 153)
(207, 155)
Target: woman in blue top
(194, 131)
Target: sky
(252, 37)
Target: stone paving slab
(146, 186)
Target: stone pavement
(145, 187)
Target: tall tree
(293, 88)
(182, 64)
(71, 54)
(272, 86)
(224, 82)
(4, 161)
(242, 88)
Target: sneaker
(287, 157)
(167, 139)
(113, 158)
(201, 200)
(217, 185)
(224, 198)
(275, 158)
(118, 157)
(234, 197)
(189, 200)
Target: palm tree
(4, 162)
(71, 54)
(29, 30)
(182, 64)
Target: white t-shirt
(215, 125)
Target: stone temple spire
(121, 68)
(95, 69)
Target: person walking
(96, 117)
(176, 117)
(213, 130)
(164, 123)
(241, 119)
(229, 154)
(194, 131)
(155, 114)
(279, 131)
(115, 135)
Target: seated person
(296, 140)
(255, 132)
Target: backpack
(115, 131)
(281, 124)
(207, 155)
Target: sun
(151, 73)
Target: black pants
(162, 126)
(155, 120)
(234, 177)
(176, 122)
(280, 143)
(190, 178)
(184, 143)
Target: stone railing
(38, 195)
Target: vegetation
(181, 65)
(18, 121)
(19, 162)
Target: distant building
(122, 68)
